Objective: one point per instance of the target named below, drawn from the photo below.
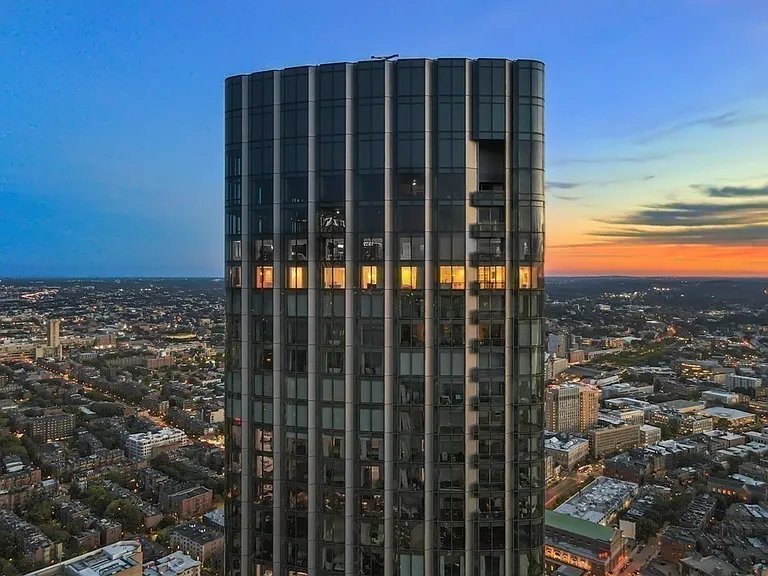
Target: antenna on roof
(390, 57)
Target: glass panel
(334, 277)
(297, 277)
(408, 277)
(264, 277)
(369, 277)
(492, 277)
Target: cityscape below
(112, 409)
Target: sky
(111, 123)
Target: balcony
(488, 400)
(486, 374)
(487, 230)
(487, 488)
(482, 258)
(486, 345)
(477, 316)
(487, 198)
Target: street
(639, 559)
(568, 486)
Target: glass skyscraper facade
(384, 259)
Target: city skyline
(111, 134)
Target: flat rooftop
(566, 523)
(197, 532)
(727, 413)
(682, 405)
(598, 500)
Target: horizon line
(222, 278)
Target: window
(234, 277)
(371, 420)
(372, 391)
(409, 277)
(297, 277)
(410, 185)
(263, 250)
(334, 277)
(264, 277)
(491, 277)
(452, 277)
(369, 277)
(524, 277)
(332, 249)
(412, 248)
(297, 249)
(372, 248)
(234, 250)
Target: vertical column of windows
(294, 142)
(487, 232)
(527, 330)
(449, 240)
(369, 324)
(331, 223)
(409, 221)
(233, 375)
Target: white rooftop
(170, 565)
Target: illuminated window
(333, 277)
(297, 277)
(452, 277)
(263, 277)
(524, 277)
(530, 277)
(234, 277)
(408, 277)
(491, 277)
(369, 277)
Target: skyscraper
(385, 347)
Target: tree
(99, 498)
(645, 528)
(127, 513)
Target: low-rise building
(30, 542)
(187, 503)
(568, 452)
(145, 445)
(54, 425)
(584, 545)
(176, 564)
(707, 566)
(604, 441)
(677, 543)
(737, 382)
(649, 435)
(719, 440)
(720, 397)
(122, 558)
(215, 518)
(197, 540)
(601, 501)
(736, 419)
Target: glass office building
(385, 290)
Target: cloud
(571, 185)
(728, 119)
(563, 185)
(566, 198)
(752, 234)
(637, 159)
(695, 222)
(735, 191)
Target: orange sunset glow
(637, 259)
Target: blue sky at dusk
(111, 123)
